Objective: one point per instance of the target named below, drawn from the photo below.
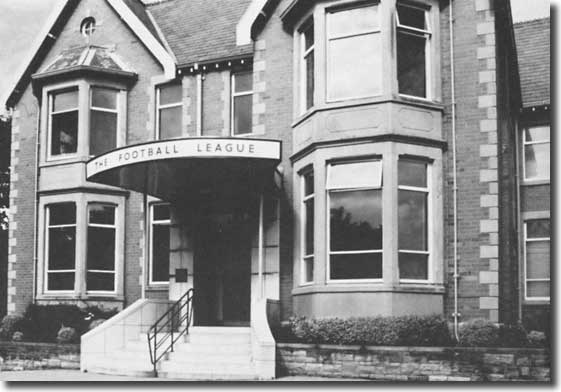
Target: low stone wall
(415, 364)
(35, 356)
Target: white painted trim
(243, 28)
(161, 54)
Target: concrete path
(76, 375)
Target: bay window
(307, 238)
(242, 103)
(307, 62)
(103, 120)
(536, 144)
(101, 239)
(61, 246)
(159, 243)
(169, 111)
(354, 191)
(537, 259)
(63, 122)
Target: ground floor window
(537, 258)
(307, 223)
(101, 247)
(61, 246)
(159, 243)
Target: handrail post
(172, 315)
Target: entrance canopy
(190, 168)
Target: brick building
(279, 157)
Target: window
(537, 258)
(242, 102)
(159, 243)
(87, 27)
(355, 224)
(413, 241)
(536, 152)
(61, 246)
(101, 248)
(307, 66)
(354, 64)
(413, 38)
(103, 120)
(308, 227)
(169, 111)
(63, 121)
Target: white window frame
(427, 34)
(152, 222)
(527, 143)
(526, 280)
(50, 112)
(233, 97)
(303, 224)
(114, 227)
(304, 53)
(47, 231)
(426, 191)
(328, 97)
(99, 109)
(328, 190)
(166, 106)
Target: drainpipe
(455, 186)
(260, 250)
(199, 102)
(36, 202)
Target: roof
(199, 31)
(138, 8)
(533, 48)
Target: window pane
(309, 269)
(100, 281)
(538, 228)
(412, 173)
(161, 211)
(411, 16)
(352, 21)
(356, 220)
(60, 281)
(535, 134)
(308, 184)
(355, 175)
(170, 94)
(356, 266)
(102, 214)
(309, 205)
(354, 67)
(62, 214)
(309, 80)
(538, 289)
(160, 253)
(243, 114)
(170, 122)
(64, 133)
(412, 220)
(104, 98)
(413, 266)
(103, 132)
(537, 260)
(243, 82)
(411, 64)
(537, 160)
(101, 248)
(309, 36)
(62, 248)
(65, 101)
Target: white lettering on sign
(185, 148)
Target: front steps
(206, 353)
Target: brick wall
(36, 356)
(414, 364)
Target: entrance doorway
(222, 269)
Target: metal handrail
(165, 327)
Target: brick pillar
(12, 241)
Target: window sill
(536, 302)
(82, 297)
(536, 182)
(64, 161)
(427, 288)
(157, 287)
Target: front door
(223, 269)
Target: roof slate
(533, 49)
(90, 56)
(138, 8)
(201, 30)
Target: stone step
(201, 368)
(208, 359)
(202, 348)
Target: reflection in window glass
(101, 239)
(61, 244)
(64, 122)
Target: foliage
(96, 323)
(478, 332)
(537, 339)
(17, 336)
(513, 335)
(67, 335)
(10, 324)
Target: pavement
(77, 376)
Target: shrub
(95, 323)
(67, 335)
(17, 336)
(387, 331)
(537, 339)
(513, 335)
(478, 332)
(10, 324)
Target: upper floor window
(354, 191)
(169, 111)
(104, 115)
(413, 38)
(537, 259)
(307, 237)
(87, 27)
(536, 144)
(63, 122)
(159, 243)
(354, 63)
(307, 66)
(242, 103)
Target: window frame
(117, 111)
(303, 227)
(523, 157)
(328, 190)
(151, 223)
(303, 74)
(158, 135)
(428, 36)
(50, 113)
(234, 95)
(427, 191)
(525, 253)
